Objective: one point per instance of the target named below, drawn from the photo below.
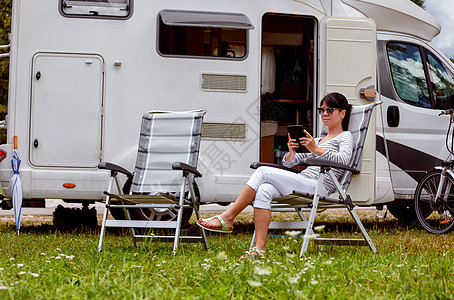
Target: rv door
(65, 110)
(348, 64)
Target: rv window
(215, 35)
(407, 71)
(442, 83)
(96, 8)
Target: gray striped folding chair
(359, 122)
(163, 177)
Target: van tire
(402, 210)
(154, 214)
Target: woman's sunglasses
(329, 110)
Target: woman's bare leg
(262, 219)
(245, 198)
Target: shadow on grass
(244, 226)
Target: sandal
(223, 229)
(254, 252)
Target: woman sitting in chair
(268, 183)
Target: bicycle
(434, 194)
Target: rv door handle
(35, 143)
(393, 116)
(38, 75)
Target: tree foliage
(420, 2)
(5, 29)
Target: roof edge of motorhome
(401, 16)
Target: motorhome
(83, 72)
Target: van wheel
(155, 214)
(402, 210)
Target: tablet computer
(296, 132)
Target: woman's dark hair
(337, 100)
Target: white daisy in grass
(21, 273)
(311, 236)
(293, 280)
(20, 265)
(34, 274)
(292, 233)
(290, 255)
(319, 228)
(262, 270)
(221, 256)
(2, 287)
(254, 283)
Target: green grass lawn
(43, 263)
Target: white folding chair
(163, 177)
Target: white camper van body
(82, 75)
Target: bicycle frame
(447, 168)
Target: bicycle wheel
(436, 216)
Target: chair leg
(197, 213)
(104, 218)
(300, 214)
(177, 231)
(363, 230)
(179, 218)
(253, 240)
(132, 229)
(103, 227)
(310, 223)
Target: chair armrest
(186, 168)
(113, 168)
(256, 165)
(327, 163)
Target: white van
(83, 72)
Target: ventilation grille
(223, 83)
(225, 131)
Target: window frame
(246, 41)
(81, 14)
